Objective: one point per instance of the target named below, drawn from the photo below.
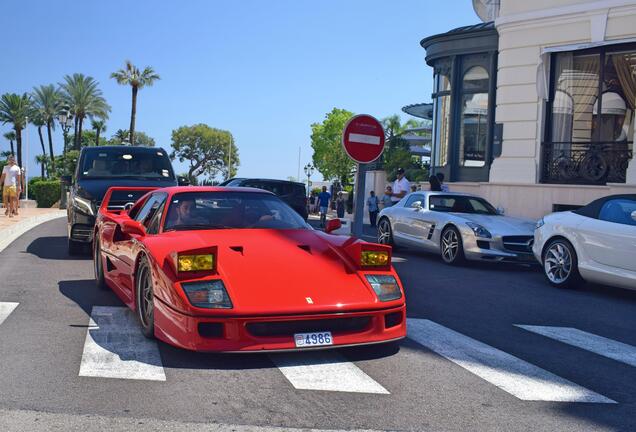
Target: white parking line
(115, 347)
(5, 310)
(511, 374)
(590, 342)
(325, 370)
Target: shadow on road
(54, 248)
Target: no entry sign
(363, 138)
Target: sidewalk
(12, 228)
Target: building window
(474, 118)
(442, 111)
(591, 129)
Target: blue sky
(264, 70)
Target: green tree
(15, 109)
(84, 99)
(39, 123)
(397, 152)
(136, 79)
(99, 126)
(10, 136)
(329, 157)
(142, 139)
(206, 149)
(48, 101)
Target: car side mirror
(501, 211)
(182, 181)
(417, 205)
(66, 179)
(333, 225)
(132, 227)
(634, 215)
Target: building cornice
(581, 9)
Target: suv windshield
(127, 162)
(461, 204)
(230, 210)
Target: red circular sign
(363, 138)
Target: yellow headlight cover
(195, 262)
(374, 258)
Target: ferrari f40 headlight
(385, 287)
(479, 230)
(84, 205)
(209, 294)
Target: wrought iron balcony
(585, 163)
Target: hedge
(46, 192)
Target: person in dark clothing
(373, 204)
(442, 185)
(340, 206)
(435, 186)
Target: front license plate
(304, 340)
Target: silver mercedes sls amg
(458, 226)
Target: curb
(9, 235)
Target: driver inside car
(184, 213)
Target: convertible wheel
(385, 234)
(451, 246)
(99, 267)
(560, 264)
(145, 299)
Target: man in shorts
(11, 181)
(323, 201)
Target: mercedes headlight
(539, 223)
(209, 294)
(84, 205)
(479, 230)
(385, 287)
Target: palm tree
(121, 135)
(136, 79)
(98, 125)
(10, 136)
(48, 101)
(38, 121)
(84, 98)
(15, 109)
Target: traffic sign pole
(358, 210)
(363, 141)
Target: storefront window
(442, 112)
(474, 118)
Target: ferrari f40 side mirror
(333, 225)
(132, 227)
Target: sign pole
(358, 209)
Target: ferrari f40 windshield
(461, 204)
(230, 210)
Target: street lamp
(65, 118)
(309, 170)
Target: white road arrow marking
(511, 374)
(323, 370)
(5, 310)
(590, 342)
(116, 348)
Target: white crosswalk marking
(115, 347)
(5, 310)
(590, 342)
(517, 377)
(323, 370)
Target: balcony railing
(585, 163)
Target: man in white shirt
(11, 181)
(400, 186)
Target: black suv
(293, 193)
(100, 168)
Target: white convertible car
(596, 243)
(457, 226)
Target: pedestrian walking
(11, 181)
(373, 204)
(324, 198)
(386, 198)
(400, 186)
(340, 205)
(442, 185)
(312, 202)
(433, 181)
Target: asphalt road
(476, 369)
